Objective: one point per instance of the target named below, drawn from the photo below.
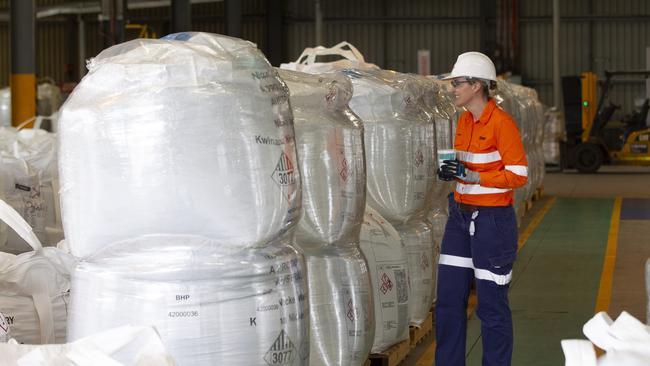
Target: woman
(480, 240)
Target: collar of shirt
(487, 111)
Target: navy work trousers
(477, 245)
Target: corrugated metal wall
(596, 34)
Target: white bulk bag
(340, 307)
(329, 141)
(388, 267)
(34, 287)
(418, 240)
(398, 135)
(142, 344)
(212, 305)
(187, 135)
(29, 183)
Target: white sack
(34, 287)
(388, 267)
(211, 305)
(123, 346)
(342, 323)
(5, 107)
(418, 240)
(29, 182)
(195, 128)
(329, 141)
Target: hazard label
(419, 158)
(345, 169)
(352, 314)
(386, 284)
(282, 352)
(284, 175)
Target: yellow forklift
(592, 138)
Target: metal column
(233, 18)
(181, 16)
(557, 86)
(112, 21)
(23, 61)
(274, 32)
(318, 26)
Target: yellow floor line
(606, 277)
(427, 357)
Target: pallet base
(392, 356)
(417, 334)
(538, 193)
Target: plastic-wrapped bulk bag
(400, 165)
(340, 306)
(212, 305)
(418, 240)
(195, 128)
(5, 107)
(388, 267)
(329, 141)
(143, 345)
(34, 287)
(29, 182)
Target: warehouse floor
(583, 247)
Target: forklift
(592, 138)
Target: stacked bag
(180, 193)
(29, 182)
(399, 139)
(329, 141)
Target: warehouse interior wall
(596, 35)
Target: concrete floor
(557, 277)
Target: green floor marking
(555, 282)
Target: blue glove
(457, 169)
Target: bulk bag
(195, 128)
(34, 287)
(211, 305)
(329, 141)
(388, 268)
(342, 323)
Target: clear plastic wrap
(418, 240)
(340, 307)
(400, 156)
(212, 305)
(196, 128)
(438, 220)
(329, 141)
(28, 182)
(386, 256)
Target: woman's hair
(486, 85)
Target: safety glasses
(457, 83)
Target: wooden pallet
(417, 334)
(367, 363)
(392, 356)
(529, 205)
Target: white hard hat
(475, 65)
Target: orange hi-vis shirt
(492, 147)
